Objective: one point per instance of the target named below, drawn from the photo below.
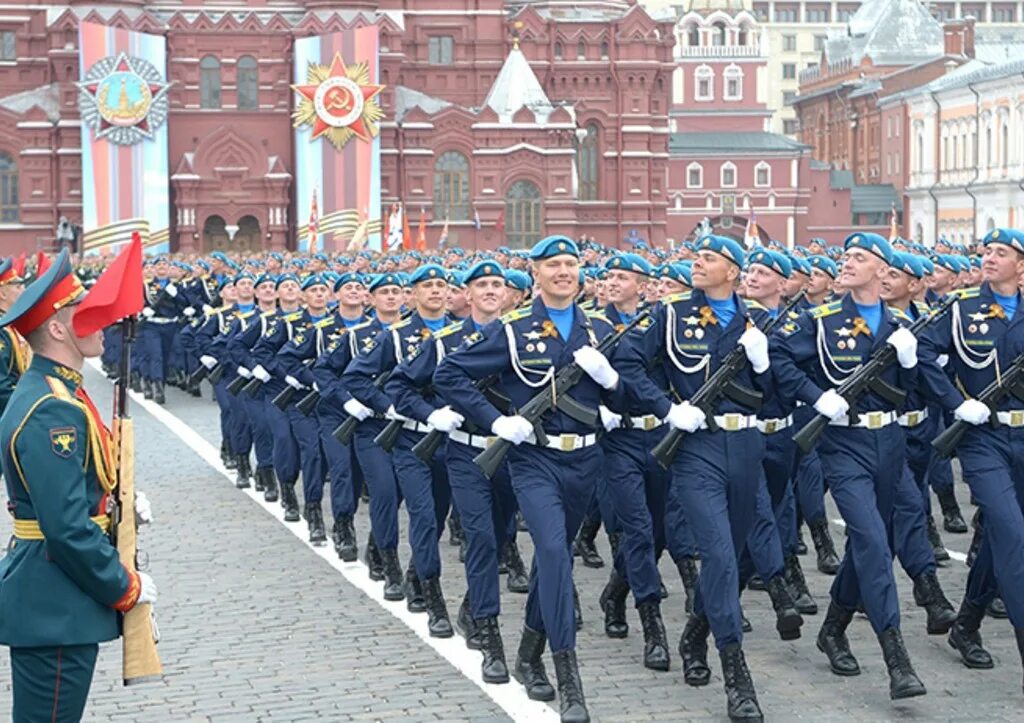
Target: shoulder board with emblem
(324, 323)
(596, 314)
(449, 330)
(516, 315)
(922, 307)
(294, 316)
(400, 324)
(899, 313)
(361, 325)
(679, 296)
(267, 314)
(751, 304)
(969, 293)
(820, 312)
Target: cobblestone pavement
(258, 626)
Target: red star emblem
(338, 100)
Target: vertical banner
(337, 146)
(122, 98)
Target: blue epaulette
(323, 323)
(969, 293)
(678, 296)
(294, 316)
(449, 330)
(516, 315)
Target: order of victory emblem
(123, 99)
(339, 102)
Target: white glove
(147, 593)
(394, 416)
(243, 372)
(143, 509)
(207, 309)
(260, 373)
(445, 419)
(514, 429)
(208, 361)
(148, 313)
(831, 405)
(171, 290)
(905, 344)
(686, 417)
(973, 412)
(609, 419)
(357, 409)
(189, 311)
(755, 344)
(293, 382)
(942, 360)
(596, 365)
(316, 387)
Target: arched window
(523, 209)
(9, 210)
(587, 159)
(451, 186)
(920, 151)
(209, 82)
(581, 50)
(743, 35)
(604, 50)
(728, 179)
(988, 146)
(1006, 145)
(248, 83)
(733, 83)
(704, 83)
(694, 35)
(558, 51)
(718, 34)
(694, 175)
(762, 175)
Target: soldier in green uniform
(14, 353)
(62, 584)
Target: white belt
(473, 440)
(646, 422)
(414, 426)
(733, 422)
(912, 418)
(567, 442)
(161, 320)
(868, 420)
(771, 426)
(1011, 418)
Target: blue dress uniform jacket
(330, 365)
(980, 342)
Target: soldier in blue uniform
(14, 351)
(811, 357)
(980, 337)
(62, 583)
(156, 333)
(711, 474)
(554, 484)
(214, 324)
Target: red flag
(894, 229)
(116, 294)
(42, 263)
(500, 225)
(406, 233)
(421, 237)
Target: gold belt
(29, 529)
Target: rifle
(555, 397)
(426, 448)
(721, 384)
(197, 376)
(140, 657)
(387, 438)
(285, 396)
(1009, 382)
(237, 384)
(215, 374)
(868, 377)
(344, 431)
(252, 387)
(308, 403)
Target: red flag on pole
(421, 236)
(406, 233)
(116, 294)
(500, 225)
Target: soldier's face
(351, 294)
(762, 283)
(229, 294)
(316, 298)
(245, 290)
(712, 270)
(288, 292)
(896, 285)
(819, 283)
(558, 277)
(622, 286)
(669, 286)
(794, 284)
(1001, 264)
(9, 293)
(431, 295)
(861, 268)
(457, 300)
(486, 295)
(266, 292)
(388, 299)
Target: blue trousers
(259, 426)
(342, 467)
(51, 684)
(554, 490)
(154, 343)
(863, 468)
(311, 457)
(809, 480)
(678, 535)
(239, 421)
(486, 508)
(427, 499)
(286, 449)
(380, 480)
(763, 551)
(220, 393)
(715, 477)
(993, 465)
(910, 528)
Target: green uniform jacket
(11, 360)
(61, 590)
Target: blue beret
(927, 265)
(277, 256)
(772, 260)
(722, 246)
(241, 276)
(629, 262)
(690, 246)
(314, 280)
(519, 280)
(321, 257)
(1009, 236)
(266, 278)
(907, 263)
(976, 262)
(227, 281)
(427, 272)
(203, 265)
(382, 280)
(482, 270)
(343, 260)
(554, 246)
(947, 262)
(873, 242)
(964, 262)
(220, 256)
(824, 263)
(289, 276)
(348, 278)
(800, 265)
(677, 272)
(455, 278)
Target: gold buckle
(875, 420)
(769, 426)
(732, 422)
(913, 419)
(1016, 418)
(568, 442)
(649, 423)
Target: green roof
(876, 198)
(732, 142)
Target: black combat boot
(374, 562)
(656, 655)
(805, 604)
(518, 579)
(269, 483)
(997, 609)
(147, 389)
(194, 390)
(828, 560)
(494, 669)
(572, 707)
(455, 533)
(258, 480)
(289, 502)
(226, 458)
(903, 681)
(415, 601)
(965, 638)
(242, 472)
(833, 643)
(577, 611)
(158, 392)
(529, 668)
(613, 603)
(788, 620)
(952, 519)
(136, 382)
(315, 521)
(584, 547)
(693, 649)
(438, 623)
(467, 626)
(344, 536)
(688, 574)
(938, 549)
(928, 595)
(392, 575)
(740, 696)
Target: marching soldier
(157, 331)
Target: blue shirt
(1009, 303)
(435, 324)
(349, 323)
(725, 309)
(872, 315)
(562, 319)
(246, 307)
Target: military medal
(851, 343)
(841, 344)
(529, 347)
(699, 333)
(542, 347)
(983, 328)
(688, 333)
(974, 327)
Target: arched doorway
(215, 234)
(523, 213)
(247, 238)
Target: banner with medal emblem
(336, 117)
(122, 98)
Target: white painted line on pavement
(953, 554)
(511, 696)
